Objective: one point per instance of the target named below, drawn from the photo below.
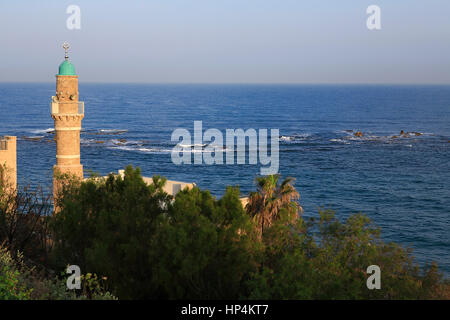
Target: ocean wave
(203, 145)
(206, 148)
(113, 131)
(140, 149)
(105, 131)
(408, 139)
(340, 141)
(362, 136)
(40, 131)
(164, 149)
(126, 142)
(86, 131)
(87, 141)
(366, 138)
(295, 137)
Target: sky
(228, 41)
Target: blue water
(403, 184)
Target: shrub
(206, 248)
(194, 246)
(11, 286)
(21, 282)
(327, 259)
(24, 217)
(106, 226)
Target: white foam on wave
(87, 141)
(193, 145)
(153, 150)
(367, 137)
(140, 149)
(113, 131)
(340, 141)
(40, 131)
(285, 138)
(295, 137)
(126, 142)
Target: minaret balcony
(55, 108)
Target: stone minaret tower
(67, 112)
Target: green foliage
(107, 227)
(273, 201)
(149, 246)
(18, 281)
(206, 248)
(11, 287)
(327, 259)
(146, 245)
(24, 222)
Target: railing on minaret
(67, 112)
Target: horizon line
(248, 83)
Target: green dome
(66, 69)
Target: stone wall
(8, 160)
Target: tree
(24, 222)
(272, 200)
(151, 246)
(106, 226)
(327, 259)
(207, 248)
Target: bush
(18, 281)
(205, 249)
(11, 286)
(107, 226)
(150, 246)
(327, 259)
(24, 217)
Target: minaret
(67, 112)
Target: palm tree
(271, 199)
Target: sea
(343, 144)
